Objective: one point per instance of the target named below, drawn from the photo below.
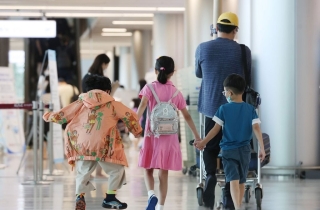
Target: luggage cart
(194, 169)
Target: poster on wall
(11, 123)
(58, 154)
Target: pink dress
(163, 152)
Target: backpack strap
(174, 95)
(244, 64)
(154, 93)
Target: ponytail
(162, 77)
(164, 66)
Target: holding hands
(199, 144)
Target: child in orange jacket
(92, 138)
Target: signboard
(58, 155)
(11, 128)
(28, 28)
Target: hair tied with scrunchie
(162, 69)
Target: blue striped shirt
(215, 60)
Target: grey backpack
(164, 117)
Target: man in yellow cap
(214, 61)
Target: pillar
(198, 18)
(141, 56)
(168, 38)
(307, 92)
(286, 73)
(275, 74)
(125, 66)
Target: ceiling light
(173, 9)
(117, 34)
(114, 30)
(55, 14)
(78, 8)
(81, 8)
(132, 22)
(21, 14)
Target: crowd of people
(93, 134)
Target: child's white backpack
(164, 118)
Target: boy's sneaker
(152, 202)
(80, 203)
(111, 202)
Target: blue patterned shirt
(215, 60)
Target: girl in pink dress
(161, 152)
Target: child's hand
(72, 164)
(200, 145)
(262, 155)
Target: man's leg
(210, 155)
(210, 161)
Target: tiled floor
(280, 193)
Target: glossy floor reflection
(279, 193)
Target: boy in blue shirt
(237, 119)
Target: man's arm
(198, 63)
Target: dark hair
(225, 28)
(96, 67)
(136, 102)
(235, 82)
(98, 82)
(142, 83)
(165, 66)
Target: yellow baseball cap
(231, 17)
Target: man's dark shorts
(236, 163)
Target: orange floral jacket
(91, 133)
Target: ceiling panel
(105, 3)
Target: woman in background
(99, 65)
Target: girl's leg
(148, 178)
(235, 193)
(163, 186)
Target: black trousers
(210, 154)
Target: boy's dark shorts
(236, 163)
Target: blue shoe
(111, 202)
(152, 202)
